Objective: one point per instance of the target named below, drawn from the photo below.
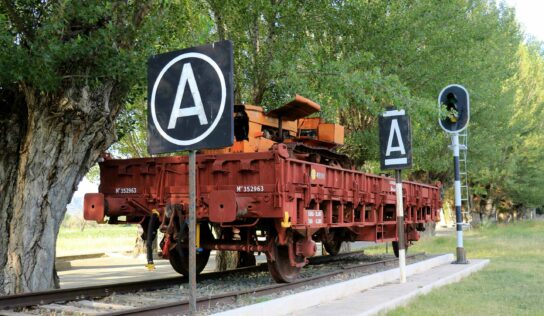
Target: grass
(512, 284)
(102, 238)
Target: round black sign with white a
(190, 99)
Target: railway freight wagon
(278, 201)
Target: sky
(87, 187)
(76, 205)
(530, 14)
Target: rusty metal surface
(223, 206)
(232, 245)
(265, 185)
(298, 108)
(93, 209)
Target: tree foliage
(357, 57)
(73, 77)
(67, 69)
(525, 165)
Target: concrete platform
(112, 268)
(368, 295)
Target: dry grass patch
(101, 238)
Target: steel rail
(182, 307)
(97, 291)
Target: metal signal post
(454, 115)
(461, 256)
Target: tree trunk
(346, 247)
(48, 144)
(226, 260)
(139, 243)
(11, 126)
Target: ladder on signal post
(465, 193)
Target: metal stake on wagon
(453, 117)
(396, 153)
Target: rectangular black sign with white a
(395, 140)
(190, 99)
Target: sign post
(190, 107)
(192, 232)
(396, 153)
(400, 226)
(453, 117)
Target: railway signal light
(454, 114)
(453, 108)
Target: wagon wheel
(395, 245)
(281, 269)
(179, 256)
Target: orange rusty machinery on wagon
(257, 131)
(279, 189)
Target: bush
(76, 222)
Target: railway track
(92, 292)
(82, 301)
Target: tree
(526, 125)
(66, 70)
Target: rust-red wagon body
(261, 185)
(291, 202)
(279, 189)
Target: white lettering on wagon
(314, 217)
(249, 188)
(125, 191)
(314, 174)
